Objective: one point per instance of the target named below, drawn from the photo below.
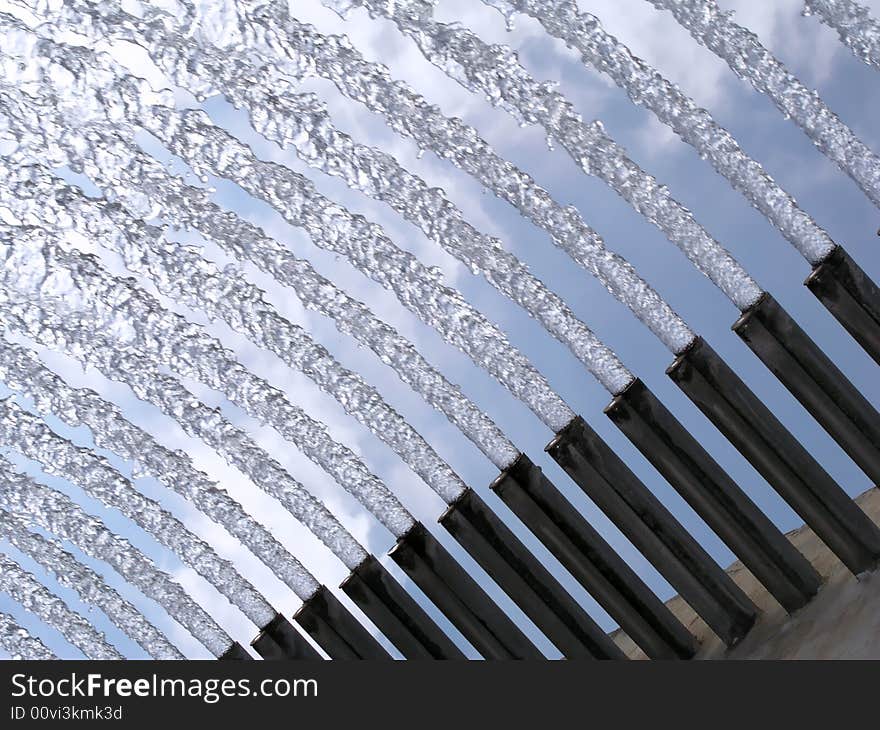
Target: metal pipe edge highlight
(335, 630)
(714, 496)
(812, 378)
(786, 465)
(525, 489)
(396, 614)
(851, 296)
(619, 493)
(279, 640)
(459, 597)
(521, 575)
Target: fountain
(68, 107)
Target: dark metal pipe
(235, 653)
(706, 487)
(850, 295)
(786, 465)
(525, 489)
(460, 598)
(814, 380)
(653, 530)
(335, 630)
(396, 614)
(279, 640)
(268, 648)
(510, 563)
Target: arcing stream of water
(69, 572)
(18, 643)
(54, 512)
(24, 588)
(853, 23)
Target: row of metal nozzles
(790, 354)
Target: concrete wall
(841, 622)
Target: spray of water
(409, 113)
(210, 150)
(181, 273)
(300, 120)
(495, 72)
(92, 589)
(184, 205)
(748, 59)
(161, 337)
(24, 588)
(853, 22)
(77, 339)
(73, 107)
(419, 288)
(21, 370)
(33, 438)
(37, 196)
(242, 305)
(18, 643)
(50, 510)
(647, 87)
(378, 175)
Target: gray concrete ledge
(841, 622)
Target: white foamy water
(94, 474)
(855, 25)
(71, 573)
(377, 174)
(299, 120)
(419, 288)
(331, 226)
(187, 206)
(53, 511)
(18, 643)
(20, 370)
(181, 273)
(24, 588)
(80, 285)
(144, 179)
(75, 337)
(742, 51)
(647, 87)
(217, 368)
(290, 119)
(495, 72)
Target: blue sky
(810, 50)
